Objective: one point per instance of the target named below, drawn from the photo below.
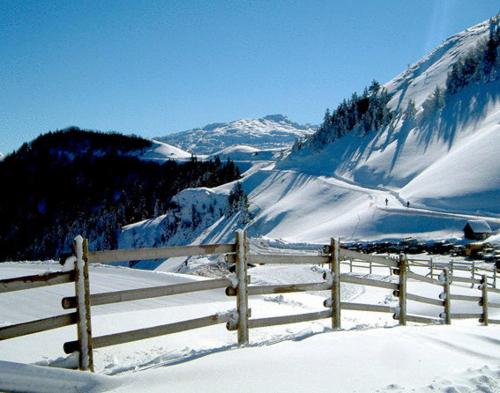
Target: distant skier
(408, 204)
(386, 202)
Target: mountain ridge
(271, 131)
(388, 183)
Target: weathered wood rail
(239, 286)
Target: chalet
(477, 230)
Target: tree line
(75, 181)
(361, 113)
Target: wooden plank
(494, 321)
(148, 293)
(419, 277)
(343, 253)
(287, 288)
(155, 331)
(288, 259)
(494, 305)
(493, 290)
(466, 280)
(421, 319)
(284, 320)
(41, 325)
(466, 316)
(82, 292)
(403, 288)
(242, 288)
(366, 307)
(139, 254)
(349, 279)
(36, 281)
(423, 299)
(447, 297)
(466, 298)
(335, 292)
(484, 300)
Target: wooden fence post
(431, 267)
(484, 300)
(335, 269)
(242, 289)
(371, 269)
(350, 265)
(494, 276)
(447, 300)
(82, 292)
(472, 275)
(403, 268)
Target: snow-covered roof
(479, 226)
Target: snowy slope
(358, 187)
(273, 131)
(447, 162)
(240, 153)
(162, 151)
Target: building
(477, 230)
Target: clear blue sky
(153, 67)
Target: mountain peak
(274, 131)
(278, 118)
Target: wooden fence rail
(238, 285)
(148, 293)
(150, 332)
(134, 254)
(36, 281)
(40, 325)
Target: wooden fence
(238, 285)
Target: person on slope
(386, 202)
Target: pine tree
(238, 203)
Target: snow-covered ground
(370, 353)
(160, 151)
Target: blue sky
(153, 67)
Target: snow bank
(16, 377)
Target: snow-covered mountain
(422, 175)
(446, 159)
(269, 132)
(160, 151)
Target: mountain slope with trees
(84, 182)
(437, 121)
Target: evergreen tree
(238, 203)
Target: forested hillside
(84, 182)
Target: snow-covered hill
(357, 188)
(269, 132)
(446, 160)
(160, 151)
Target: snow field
(47, 346)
